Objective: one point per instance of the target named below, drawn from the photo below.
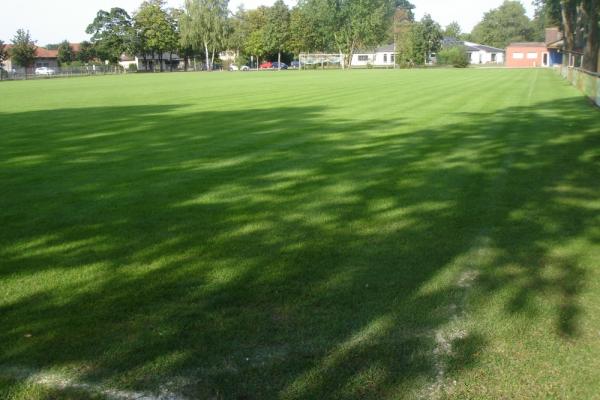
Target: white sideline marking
(54, 380)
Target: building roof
(527, 44)
(470, 46)
(388, 48)
(40, 52)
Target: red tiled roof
(42, 52)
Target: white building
(152, 62)
(478, 53)
(382, 56)
(482, 54)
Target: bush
(456, 56)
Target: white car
(234, 67)
(44, 71)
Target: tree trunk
(206, 56)
(212, 59)
(160, 61)
(170, 61)
(279, 61)
(590, 53)
(569, 18)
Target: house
(152, 62)
(382, 56)
(482, 54)
(536, 54)
(43, 58)
(478, 53)
(527, 55)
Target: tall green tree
(66, 55)
(403, 39)
(503, 25)
(23, 49)
(112, 33)
(426, 39)
(254, 24)
(203, 26)
(453, 30)
(86, 52)
(277, 30)
(358, 23)
(155, 30)
(590, 9)
(3, 53)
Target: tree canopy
(503, 25)
(23, 49)
(112, 33)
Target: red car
(266, 65)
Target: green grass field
(300, 235)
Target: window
(532, 56)
(518, 56)
(392, 58)
(493, 57)
(385, 58)
(363, 57)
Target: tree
(403, 26)
(358, 23)
(3, 53)
(65, 53)
(503, 25)
(300, 32)
(155, 30)
(255, 22)
(456, 56)
(453, 30)
(204, 25)
(590, 10)
(277, 30)
(23, 49)
(86, 52)
(579, 22)
(112, 33)
(426, 39)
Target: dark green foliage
(455, 56)
(503, 25)
(65, 53)
(112, 33)
(87, 52)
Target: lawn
(300, 235)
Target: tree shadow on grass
(278, 252)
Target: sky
(56, 20)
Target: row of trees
(203, 28)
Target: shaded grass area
(302, 235)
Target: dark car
(296, 64)
(277, 65)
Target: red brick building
(527, 55)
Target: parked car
(44, 71)
(234, 67)
(296, 64)
(277, 65)
(266, 65)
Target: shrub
(456, 56)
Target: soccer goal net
(320, 59)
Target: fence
(587, 82)
(39, 73)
